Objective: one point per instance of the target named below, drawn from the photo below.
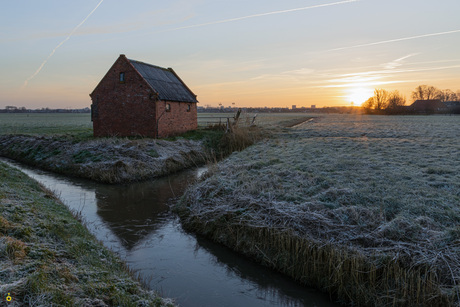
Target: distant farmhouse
(428, 106)
(139, 99)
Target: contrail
(60, 44)
(264, 14)
(395, 40)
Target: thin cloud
(374, 78)
(364, 84)
(384, 72)
(398, 62)
(264, 14)
(395, 40)
(59, 45)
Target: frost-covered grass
(109, 160)
(47, 258)
(46, 123)
(382, 190)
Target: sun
(358, 95)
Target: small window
(122, 77)
(188, 108)
(168, 107)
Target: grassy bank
(108, 160)
(366, 208)
(48, 258)
(118, 160)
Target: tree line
(393, 102)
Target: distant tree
(380, 99)
(447, 95)
(369, 103)
(425, 92)
(395, 100)
(11, 108)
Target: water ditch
(134, 221)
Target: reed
(238, 139)
(343, 272)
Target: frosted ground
(385, 186)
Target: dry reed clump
(4, 225)
(15, 250)
(360, 206)
(239, 138)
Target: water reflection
(134, 211)
(271, 287)
(134, 220)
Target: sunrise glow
(359, 95)
(243, 53)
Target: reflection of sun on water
(358, 95)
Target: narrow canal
(134, 220)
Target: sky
(247, 53)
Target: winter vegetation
(109, 160)
(385, 102)
(364, 207)
(48, 258)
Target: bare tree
(395, 100)
(447, 95)
(380, 99)
(425, 92)
(369, 104)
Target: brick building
(139, 99)
(428, 106)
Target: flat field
(46, 123)
(80, 124)
(385, 187)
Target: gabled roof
(165, 81)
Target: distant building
(294, 107)
(139, 99)
(428, 106)
(313, 106)
(452, 104)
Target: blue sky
(252, 53)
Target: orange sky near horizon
(250, 53)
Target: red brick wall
(177, 120)
(129, 108)
(123, 109)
